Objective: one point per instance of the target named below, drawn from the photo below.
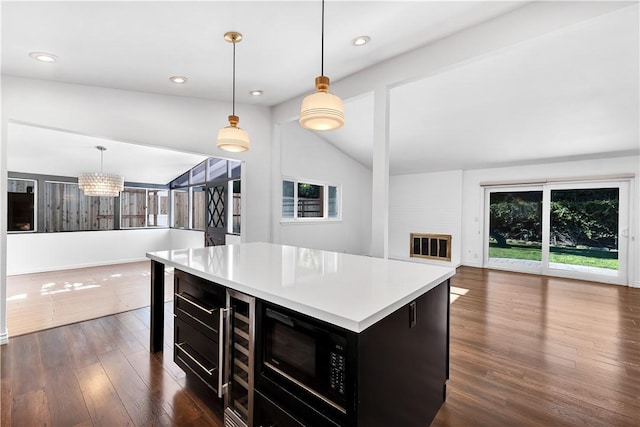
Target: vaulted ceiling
(564, 92)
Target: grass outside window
(561, 255)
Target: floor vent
(432, 246)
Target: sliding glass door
(515, 228)
(576, 230)
(588, 230)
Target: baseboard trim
(472, 264)
(75, 266)
(4, 338)
(634, 284)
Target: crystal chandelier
(101, 184)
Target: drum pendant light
(232, 138)
(322, 110)
(100, 184)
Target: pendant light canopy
(322, 110)
(232, 138)
(101, 184)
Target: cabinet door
(404, 384)
(198, 299)
(268, 414)
(196, 352)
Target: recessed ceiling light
(361, 40)
(256, 92)
(178, 79)
(43, 56)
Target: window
(288, 199)
(133, 206)
(333, 202)
(157, 208)
(217, 169)
(236, 198)
(144, 207)
(306, 200)
(194, 198)
(21, 202)
(68, 209)
(234, 169)
(198, 174)
(198, 204)
(180, 208)
(181, 181)
(310, 200)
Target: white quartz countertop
(350, 291)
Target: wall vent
(431, 246)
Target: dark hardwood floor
(98, 373)
(525, 351)
(529, 350)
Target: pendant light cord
(233, 96)
(101, 159)
(322, 44)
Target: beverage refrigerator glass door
(306, 355)
(239, 362)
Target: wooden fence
(68, 209)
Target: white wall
(37, 252)
(305, 156)
(182, 239)
(425, 203)
(473, 200)
(459, 206)
(4, 335)
(182, 123)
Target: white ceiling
(159, 166)
(570, 94)
(139, 45)
(567, 94)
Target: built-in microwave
(306, 357)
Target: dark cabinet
(197, 325)
(396, 370)
(268, 414)
(214, 335)
(392, 373)
(198, 299)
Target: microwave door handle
(280, 318)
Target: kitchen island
(390, 317)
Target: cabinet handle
(221, 386)
(206, 310)
(208, 371)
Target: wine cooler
(238, 398)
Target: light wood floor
(46, 300)
(525, 351)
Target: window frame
(231, 212)
(325, 194)
(192, 207)
(35, 205)
(216, 170)
(115, 205)
(146, 208)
